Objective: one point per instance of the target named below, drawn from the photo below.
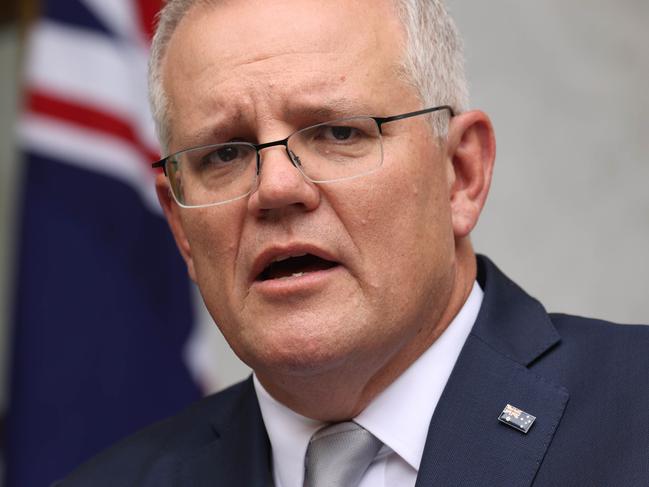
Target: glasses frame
(162, 163)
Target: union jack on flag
(103, 306)
(86, 88)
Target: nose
(281, 185)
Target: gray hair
(433, 62)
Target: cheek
(399, 219)
(213, 237)
(404, 209)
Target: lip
(276, 252)
(302, 286)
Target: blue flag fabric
(103, 305)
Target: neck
(342, 393)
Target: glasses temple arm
(381, 120)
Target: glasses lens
(337, 150)
(212, 174)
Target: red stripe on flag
(148, 9)
(88, 117)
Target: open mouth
(295, 266)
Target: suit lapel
(239, 454)
(466, 444)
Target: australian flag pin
(516, 418)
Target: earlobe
(472, 152)
(172, 213)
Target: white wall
(8, 176)
(565, 82)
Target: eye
(223, 156)
(346, 133)
(341, 133)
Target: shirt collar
(289, 434)
(399, 416)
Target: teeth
(295, 274)
(286, 257)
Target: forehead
(256, 58)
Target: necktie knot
(338, 455)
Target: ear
(472, 151)
(173, 214)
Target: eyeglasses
(338, 150)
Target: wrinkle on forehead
(216, 70)
(299, 112)
(297, 27)
(260, 58)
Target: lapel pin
(516, 418)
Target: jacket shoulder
(602, 436)
(608, 339)
(602, 364)
(151, 455)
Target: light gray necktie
(339, 455)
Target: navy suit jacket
(586, 381)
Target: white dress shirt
(399, 416)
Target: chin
(296, 355)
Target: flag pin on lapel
(516, 418)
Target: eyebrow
(211, 132)
(303, 113)
(330, 109)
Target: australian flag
(103, 308)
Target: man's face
(380, 248)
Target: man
(323, 180)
